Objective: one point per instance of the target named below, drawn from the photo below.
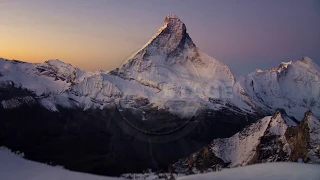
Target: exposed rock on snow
(270, 139)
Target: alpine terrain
(165, 102)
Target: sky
(101, 34)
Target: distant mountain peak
(56, 62)
(303, 62)
(296, 80)
(306, 60)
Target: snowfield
(268, 171)
(14, 167)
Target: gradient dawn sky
(101, 34)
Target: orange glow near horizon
(85, 52)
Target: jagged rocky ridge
(271, 139)
(166, 101)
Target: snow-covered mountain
(168, 92)
(271, 139)
(293, 86)
(172, 47)
(167, 70)
(173, 74)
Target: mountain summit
(173, 25)
(168, 43)
(172, 33)
(171, 51)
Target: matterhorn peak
(174, 24)
(170, 42)
(172, 51)
(172, 16)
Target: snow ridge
(241, 149)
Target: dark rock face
(298, 138)
(202, 161)
(99, 141)
(271, 146)
(270, 150)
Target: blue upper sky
(100, 34)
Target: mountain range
(165, 102)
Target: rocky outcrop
(270, 139)
(304, 140)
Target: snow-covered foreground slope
(268, 171)
(14, 167)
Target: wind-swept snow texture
(267, 171)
